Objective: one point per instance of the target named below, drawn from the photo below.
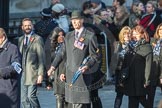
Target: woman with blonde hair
(156, 74)
(137, 10)
(150, 20)
(123, 46)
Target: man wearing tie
(79, 44)
(32, 49)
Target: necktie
(76, 35)
(26, 40)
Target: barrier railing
(106, 53)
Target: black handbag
(124, 74)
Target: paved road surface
(107, 95)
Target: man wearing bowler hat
(46, 13)
(79, 44)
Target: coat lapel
(21, 43)
(82, 34)
(72, 39)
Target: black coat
(9, 81)
(140, 70)
(59, 86)
(119, 67)
(44, 27)
(156, 70)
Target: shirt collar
(29, 35)
(3, 42)
(79, 31)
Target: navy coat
(9, 81)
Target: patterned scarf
(140, 42)
(132, 44)
(129, 46)
(125, 48)
(58, 48)
(156, 49)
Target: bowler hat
(46, 12)
(76, 15)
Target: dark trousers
(61, 103)
(150, 96)
(81, 105)
(118, 100)
(96, 101)
(135, 100)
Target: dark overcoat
(156, 70)
(59, 86)
(140, 70)
(9, 81)
(120, 60)
(80, 91)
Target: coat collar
(3, 43)
(31, 40)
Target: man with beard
(32, 49)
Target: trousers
(29, 98)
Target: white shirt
(29, 35)
(79, 31)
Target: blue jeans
(28, 96)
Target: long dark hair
(54, 36)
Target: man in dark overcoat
(79, 44)
(10, 69)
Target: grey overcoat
(33, 59)
(80, 91)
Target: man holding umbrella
(79, 44)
